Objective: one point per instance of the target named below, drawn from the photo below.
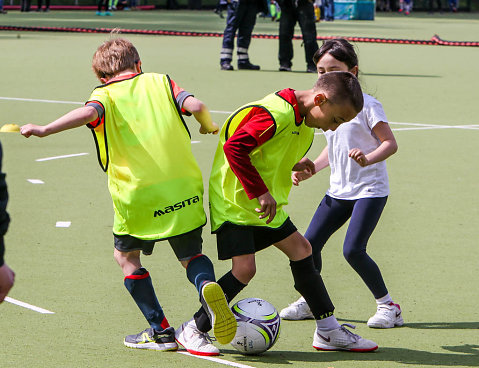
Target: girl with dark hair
(359, 188)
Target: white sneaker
(297, 311)
(195, 341)
(387, 316)
(342, 339)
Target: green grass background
(426, 243)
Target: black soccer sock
(200, 270)
(141, 289)
(231, 287)
(309, 283)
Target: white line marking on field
(217, 360)
(37, 100)
(195, 142)
(63, 224)
(58, 157)
(28, 306)
(221, 112)
(36, 181)
(424, 126)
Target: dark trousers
(330, 215)
(47, 4)
(25, 5)
(241, 17)
(431, 5)
(102, 4)
(290, 15)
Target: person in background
(2, 11)
(241, 17)
(431, 6)
(103, 5)
(47, 6)
(7, 276)
(25, 5)
(292, 12)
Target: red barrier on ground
(72, 7)
(434, 41)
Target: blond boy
(143, 144)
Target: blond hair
(114, 56)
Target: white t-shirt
(348, 179)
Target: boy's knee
(244, 272)
(303, 249)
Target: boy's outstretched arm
(201, 114)
(72, 119)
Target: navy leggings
(330, 215)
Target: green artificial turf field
(426, 243)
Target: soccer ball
(258, 326)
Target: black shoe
(311, 69)
(152, 339)
(226, 66)
(284, 68)
(248, 66)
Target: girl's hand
(357, 155)
(298, 176)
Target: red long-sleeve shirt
(255, 129)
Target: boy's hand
(357, 155)
(31, 129)
(303, 170)
(268, 207)
(213, 130)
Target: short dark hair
(341, 87)
(340, 49)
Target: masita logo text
(177, 206)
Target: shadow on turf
(463, 355)
(430, 325)
(401, 75)
(368, 74)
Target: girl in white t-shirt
(359, 187)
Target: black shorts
(185, 246)
(236, 240)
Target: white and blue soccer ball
(258, 326)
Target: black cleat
(226, 66)
(284, 68)
(248, 66)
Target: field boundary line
(28, 306)
(40, 100)
(60, 157)
(217, 360)
(417, 125)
